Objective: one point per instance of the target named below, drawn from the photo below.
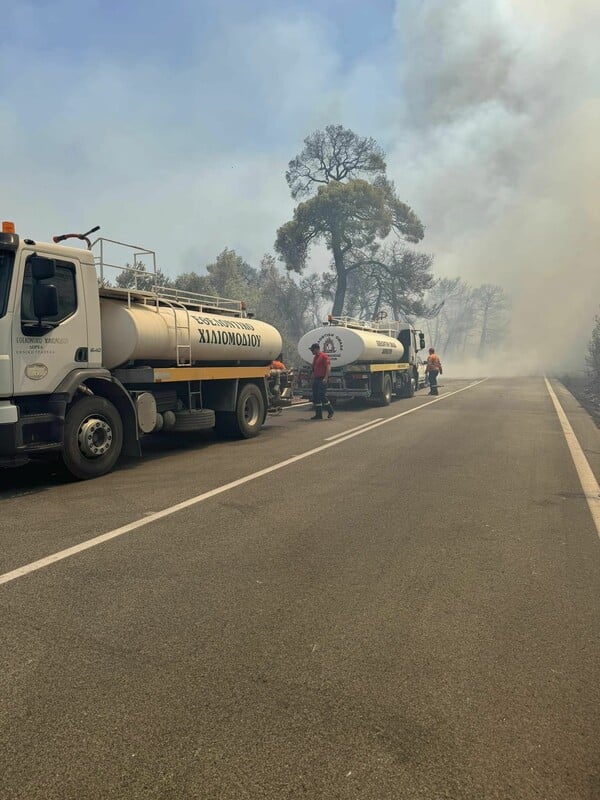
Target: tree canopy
(345, 211)
(335, 154)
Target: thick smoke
(500, 157)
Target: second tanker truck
(87, 369)
(373, 361)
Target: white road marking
(350, 430)
(26, 569)
(588, 481)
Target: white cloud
(172, 158)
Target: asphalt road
(409, 611)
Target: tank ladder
(183, 332)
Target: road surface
(399, 603)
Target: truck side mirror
(422, 341)
(41, 268)
(45, 300)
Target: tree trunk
(484, 332)
(378, 303)
(342, 278)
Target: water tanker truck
(87, 369)
(373, 361)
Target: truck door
(46, 350)
(7, 258)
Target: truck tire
(195, 420)
(408, 386)
(247, 419)
(93, 438)
(385, 398)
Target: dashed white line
(587, 479)
(34, 566)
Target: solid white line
(358, 427)
(588, 481)
(192, 501)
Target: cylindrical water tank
(349, 345)
(148, 334)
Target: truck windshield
(7, 259)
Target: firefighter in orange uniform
(433, 369)
(277, 363)
(276, 370)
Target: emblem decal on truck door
(36, 372)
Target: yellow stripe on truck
(376, 368)
(207, 373)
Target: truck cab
(49, 332)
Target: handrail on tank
(387, 328)
(350, 322)
(131, 251)
(154, 292)
(204, 301)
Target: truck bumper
(23, 437)
(8, 413)
(10, 434)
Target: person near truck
(433, 369)
(277, 363)
(321, 368)
(276, 370)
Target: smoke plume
(499, 155)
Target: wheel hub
(95, 437)
(251, 411)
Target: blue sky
(171, 124)
(133, 112)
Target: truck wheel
(195, 420)
(385, 398)
(408, 386)
(93, 438)
(247, 419)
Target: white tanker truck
(87, 369)
(374, 361)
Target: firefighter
(276, 370)
(433, 369)
(277, 363)
(321, 367)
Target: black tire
(408, 386)
(247, 419)
(93, 438)
(195, 420)
(385, 398)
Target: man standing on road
(433, 369)
(321, 367)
